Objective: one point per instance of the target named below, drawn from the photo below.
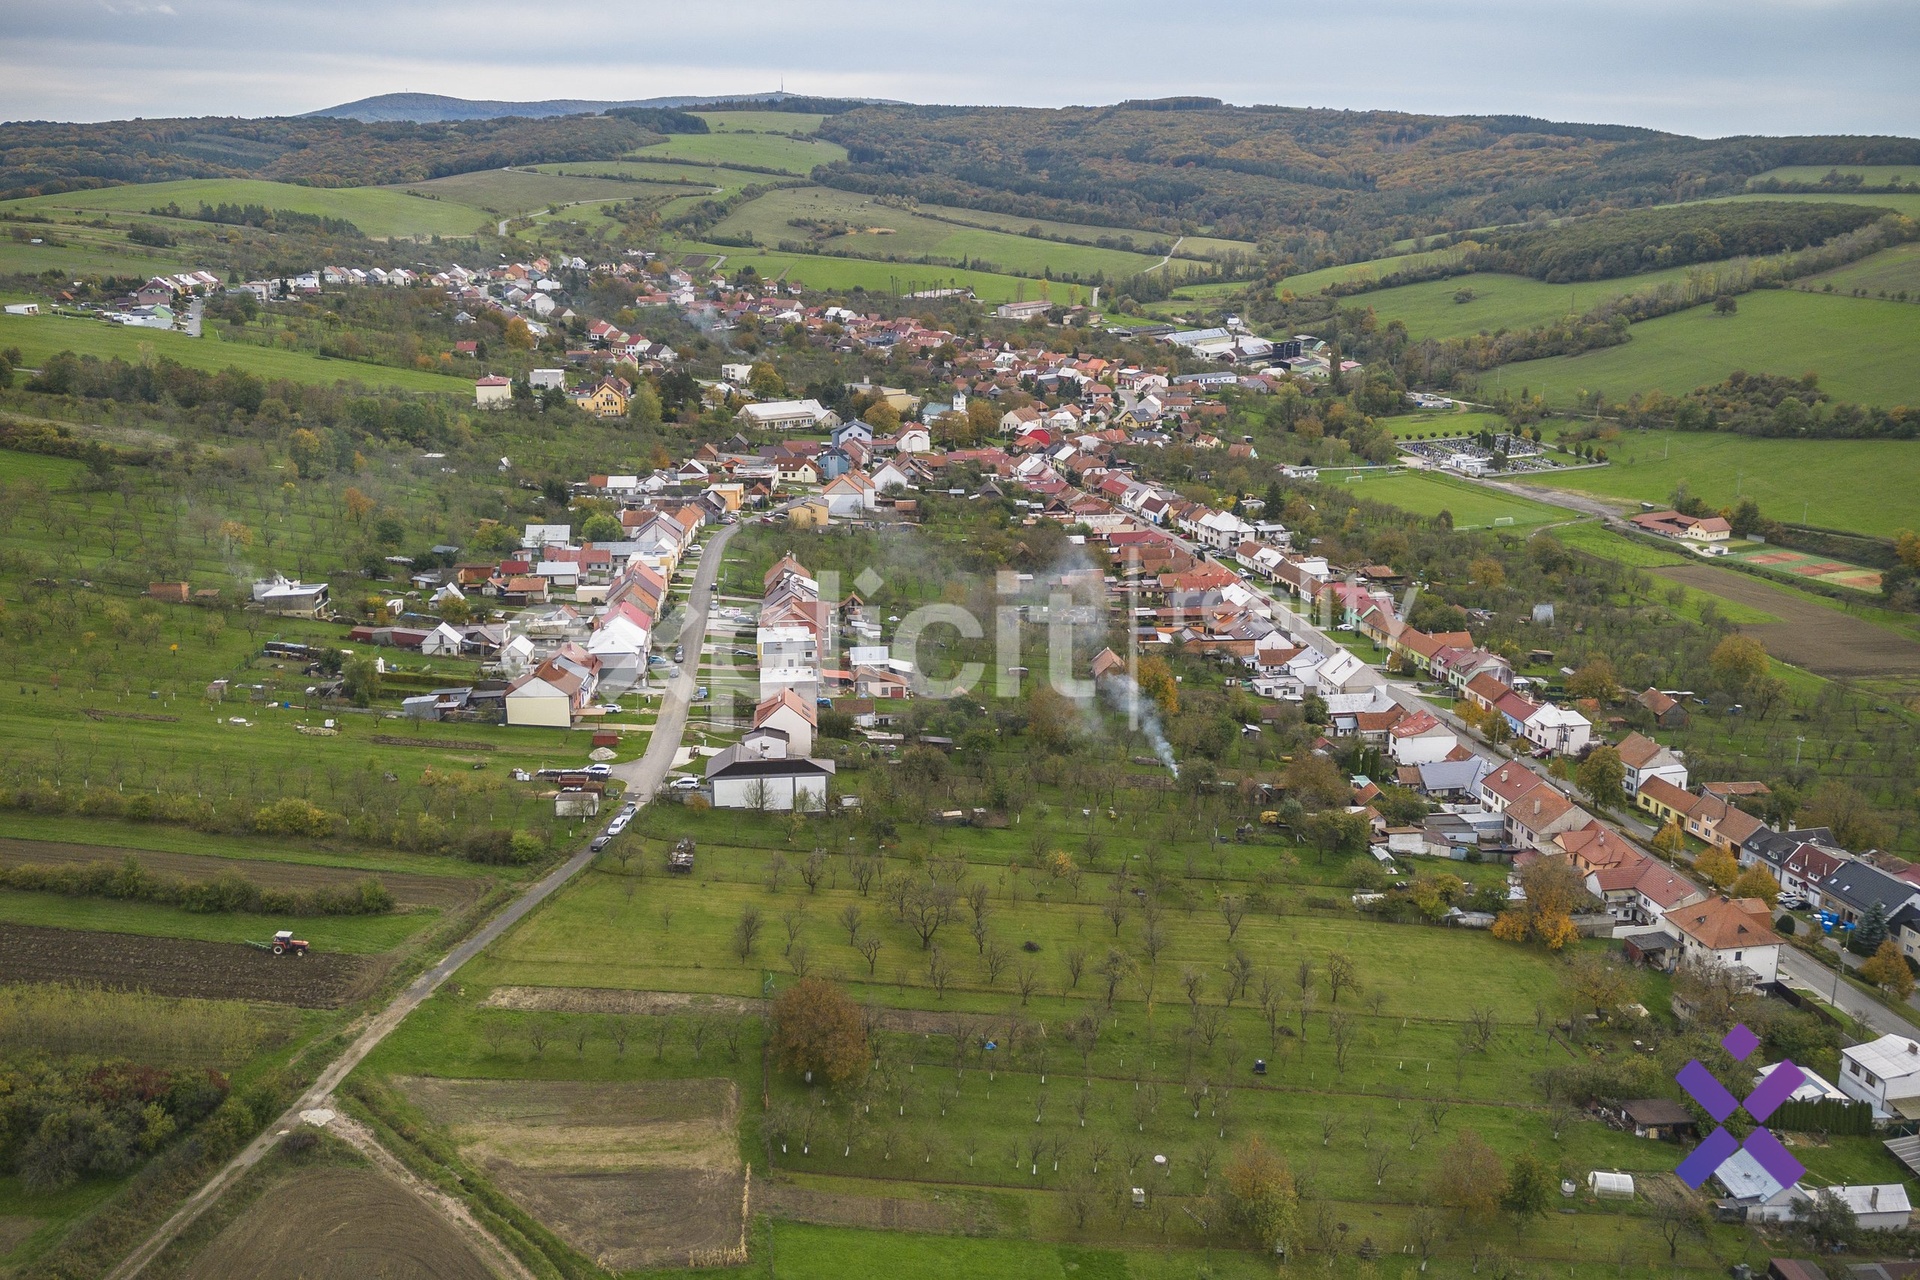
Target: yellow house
(734, 494)
(809, 514)
(606, 398)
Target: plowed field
(340, 1224)
(174, 967)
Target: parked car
(599, 843)
(1792, 901)
(684, 783)
(745, 653)
(679, 653)
(598, 771)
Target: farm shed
(1610, 1186)
(576, 804)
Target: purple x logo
(1761, 1103)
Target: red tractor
(284, 943)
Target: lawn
(1473, 506)
(1895, 270)
(513, 192)
(79, 251)
(377, 211)
(1190, 246)
(1861, 485)
(761, 121)
(882, 231)
(1443, 423)
(1314, 281)
(1863, 349)
(1871, 174)
(833, 274)
(1498, 301)
(752, 150)
(41, 336)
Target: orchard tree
(1717, 867)
(1263, 1198)
(1469, 1179)
(1887, 969)
(817, 1028)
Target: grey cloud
(1696, 66)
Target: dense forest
(1623, 244)
(1318, 184)
(41, 158)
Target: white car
(685, 784)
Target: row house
(1645, 759)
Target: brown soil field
(14, 1229)
(408, 889)
(1824, 641)
(339, 1224)
(631, 1175)
(955, 1215)
(176, 967)
(611, 1000)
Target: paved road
(1826, 984)
(643, 778)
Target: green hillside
(1863, 349)
(377, 211)
(41, 336)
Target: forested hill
(1259, 172)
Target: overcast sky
(1708, 67)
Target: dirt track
(407, 889)
(1824, 641)
(175, 967)
(339, 1224)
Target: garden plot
(632, 1175)
(176, 967)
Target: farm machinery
(284, 943)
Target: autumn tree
(1598, 981)
(1757, 882)
(1487, 572)
(1469, 1179)
(1717, 867)
(1263, 1200)
(1554, 891)
(1846, 812)
(1156, 681)
(817, 1028)
(1669, 839)
(518, 335)
(1887, 969)
(1601, 775)
(1595, 679)
(1738, 662)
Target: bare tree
(619, 1032)
(1116, 910)
(1153, 940)
(939, 971)
(746, 931)
(1342, 974)
(1303, 977)
(851, 918)
(994, 960)
(1026, 977)
(1194, 982)
(1379, 1163)
(1437, 1109)
(1239, 974)
(869, 948)
(580, 1033)
(662, 1031)
(1076, 960)
(794, 918)
(1233, 909)
(1341, 1029)
(538, 1034)
(814, 869)
(776, 871)
(697, 1032)
(1329, 1125)
(799, 959)
(864, 867)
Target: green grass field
(41, 336)
(1861, 485)
(81, 251)
(754, 150)
(1872, 174)
(1443, 423)
(377, 211)
(832, 274)
(907, 235)
(1190, 246)
(1473, 506)
(1895, 270)
(1898, 203)
(1863, 349)
(1498, 302)
(761, 121)
(1314, 281)
(512, 192)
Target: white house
(1644, 758)
(1884, 1073)
(1560, 730)
(788, 415)
(1340, 672)
(792, 715)
(1222, 530)
(759, 774)
(541, 698)
(493, 392)
(1732, 933)
(443, 640)
(1420, 738)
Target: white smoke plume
(1125, 694)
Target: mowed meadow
(377, 211)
